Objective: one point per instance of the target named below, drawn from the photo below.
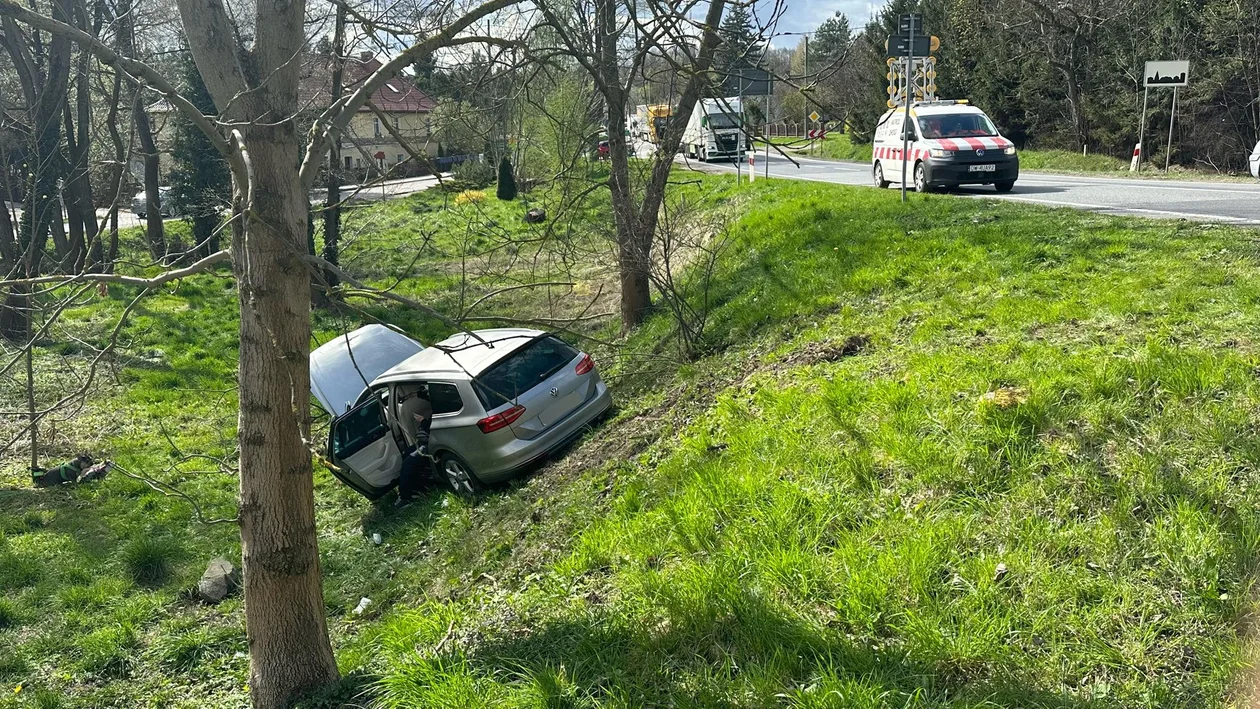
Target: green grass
(895, 402)
(1069, 161)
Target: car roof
(463, 355)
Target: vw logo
(980, 153)
(554, 392)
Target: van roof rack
(940, 102)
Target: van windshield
(957, 125)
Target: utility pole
(909, 23)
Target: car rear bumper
(951, 172)
(512, 458)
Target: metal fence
(784, 130)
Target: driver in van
(415, 414)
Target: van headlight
(938, 153)
(1010, 150)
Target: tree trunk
(154, 229)
(332, 204)
(116, 171)
(636, 228)
(8, 241)
(284, 606)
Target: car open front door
(363, 450)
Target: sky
(806, 15)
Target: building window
(376, 126)
(395, 122)
(348, 158)
(400, 157)
(358, 162)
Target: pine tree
(201, 185)
(831, 39)
(740, 42)
(506, 190)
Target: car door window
(358, 429)
(380, 391)
(445, 398)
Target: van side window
(445, 398)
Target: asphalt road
(1225, 202)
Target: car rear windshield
(957, 125)
(522, 370)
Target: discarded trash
(363, 604)
(1005, 397)
(376, 538)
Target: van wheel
(880, 182)
(458, 475)
(1004, 187)
(920, 178)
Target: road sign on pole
(904, 45)
(813, 116)
(1166, 74)
(912, 25)
(1159, 75)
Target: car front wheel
(458, 475)
(1004, 186)
(920, 178)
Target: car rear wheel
(1004, 186)
(880, 182)
(458, 475)
(920, 178)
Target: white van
(951, 144)
(1255, 161)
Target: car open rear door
(363, 450)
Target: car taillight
(490, 424)
(584, 365)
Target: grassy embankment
(966, 454)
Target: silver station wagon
(502, 400)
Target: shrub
(470, 197)
(150, 560)
(475, 172)
(506, 190)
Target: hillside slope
(964, 454)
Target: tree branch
(204, 264)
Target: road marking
(1137, 210)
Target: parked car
(502, 400)
(140, 204)
(1255, 161)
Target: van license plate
(983, 168)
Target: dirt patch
(827, 351)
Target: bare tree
(612, 41)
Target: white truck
(714, 130)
